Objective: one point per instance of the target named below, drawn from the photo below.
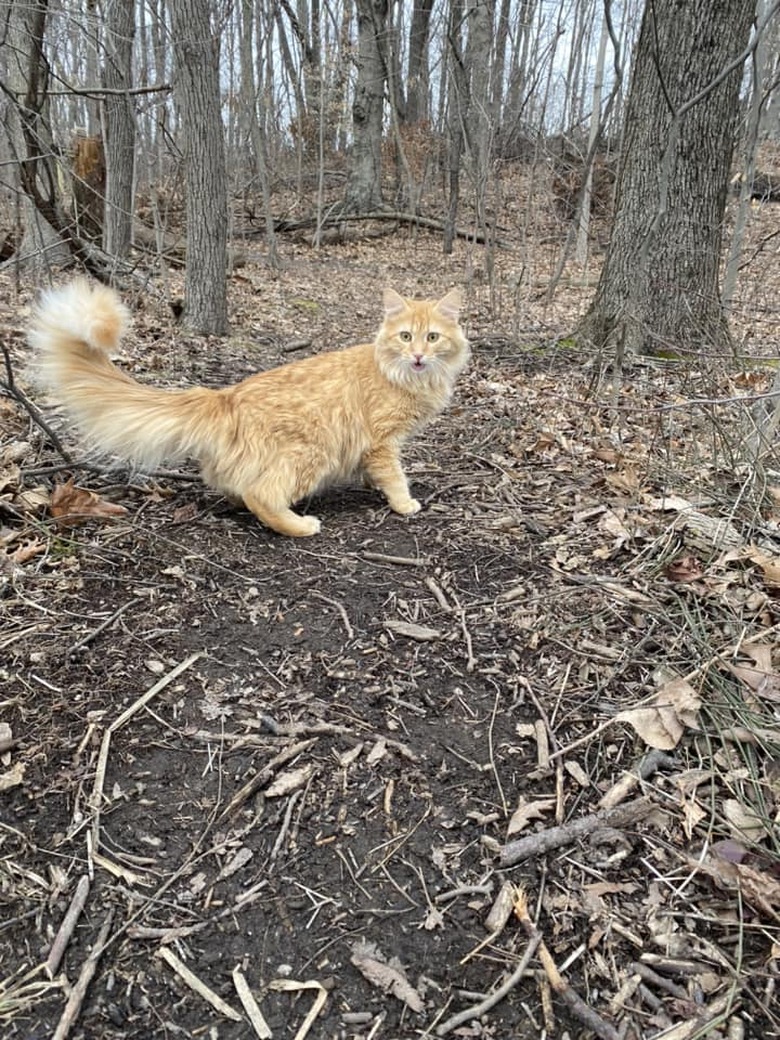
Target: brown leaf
(662, 722)
(687, 568)
(72, 505)
(758, 888)
(762, 679)
(387, 975)
(27, 549)
(526, 812)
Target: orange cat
(278, 436)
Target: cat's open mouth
(418, 365)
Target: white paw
(310, 525)
(408, 508)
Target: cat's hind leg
(383, 468)
(280, 518)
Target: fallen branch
(494, 998)
(69, 922)
(573, 1001)
(79, 991)
(555, 837)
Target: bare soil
(303, 759)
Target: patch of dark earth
(333, 767)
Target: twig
(169, 934)
(573, 1001)
(69, 922)
(494, 998)
(342, 611)
(190, 979)
(544, 841)
(438, 594)
(266, 773)
(463, 890)
(401, 561)
(96, 797)
(285, 824)
(290, 985)
(9, 385)
(295, 344)
(650, 764)
(79, 991)
(250, 1005)
(87, 639)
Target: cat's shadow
(341, 503)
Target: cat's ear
(394, 303)
(449, 306)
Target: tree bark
(119, 116)
(364, 179)
(416, 109)
(659, 289)
(197, 92)
(31, 168)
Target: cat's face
(420, 341)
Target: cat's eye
(432, 337)
(405, 336)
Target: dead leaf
(433, 919)
(770, 565)
(662, 722)
(27, 549)
(526, 812)
(686, 568)
(291, 780)
(183, 514)
(762, 679)
(419, 632)
(756, 887)
(744, 822)
(387, 975)
(71, 505)
(13, 777)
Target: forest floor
(304, 767)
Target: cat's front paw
(407, 508)
(308, 526)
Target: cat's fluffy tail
(74, 329)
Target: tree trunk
(119, 127)
(417, 79)
(364, 179)
(481, 128)
(457, 116)
(197, 93)
(32, 169)
(659, 285)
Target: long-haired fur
(276, 437)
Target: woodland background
(308, 767)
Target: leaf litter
(449, 706)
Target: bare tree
(659, 283)
(31, 174)
(119, 121)
(196, 86)
(364, 180)
(418, 75)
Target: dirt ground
(304, 765)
